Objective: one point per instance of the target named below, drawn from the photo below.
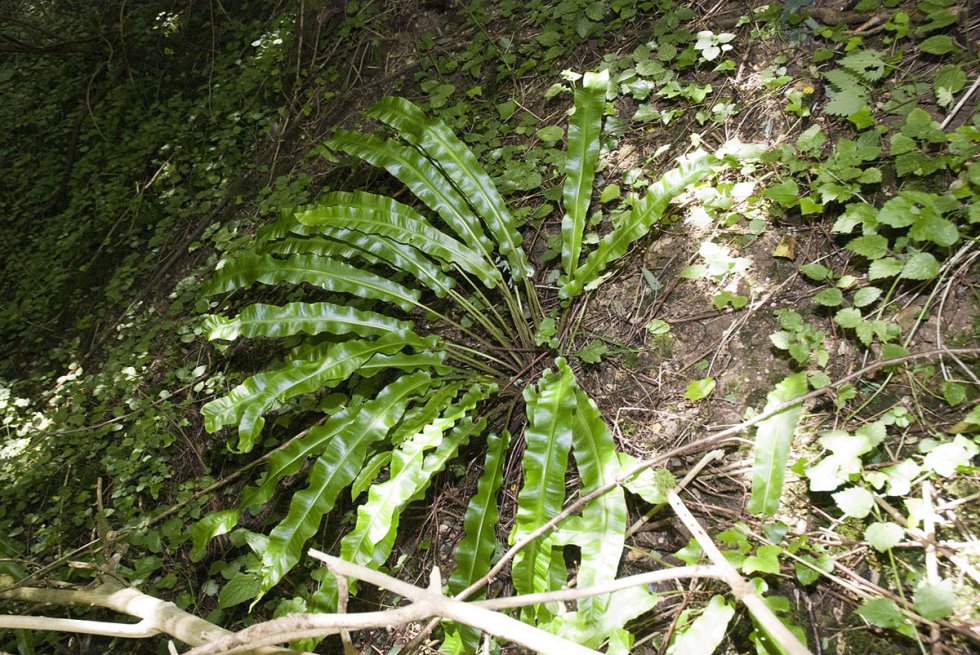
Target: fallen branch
(156, 616)
(742, 590)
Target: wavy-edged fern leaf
(461, 166)
(475, 550)
(580, 164)
(327, 274)
(333, 471)
(638, 221)
(550, 411)
(261, 320)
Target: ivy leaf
(949, 80)
(700, 389)
(883, 536)
(855, 502)
(935, 600)
(765, 560)
(872, 246)
(920, 266)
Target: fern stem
(495, 330)
(458, 351)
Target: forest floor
(774, 271)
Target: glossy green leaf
(474, 553)
(602, 526)
(423, 178)
(638, 221)
(461, 166)
(705, 633)
(333, 471)
(410, 229)
(210, 527)
(410, 473)
(551, 410)
(773, 439)
(584, 130)
(266, 391)
(294, 318)
(325, 273)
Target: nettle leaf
(866, 64)
(854, 502)
(786, 193)
(847, 94)
(773, 440)
(920, 266)
(884, 536)
(871, 246)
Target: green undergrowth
(387, 332)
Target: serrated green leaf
(866, 295)
(872, 246)
(773, 440)
(939, 45)
(332, 472)
(884, 268)
(637, 222)
(854, 502)
(883, 536)
(593, 352)
(920, 266)
(584, 130)
(787, 193)
(241, 588)
(866, 64)
(935, 600)
(550, 410)
(294, 318)
(848, 318)
(831, 297)
(816, 272)
(949, 80)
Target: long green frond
(474, 553)
(584, 130)
(423, 178)
(461, 166)
(294, 318)
(638, 221)
(333, 471)
(550, 412)
(413, 233)
(325, 273)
